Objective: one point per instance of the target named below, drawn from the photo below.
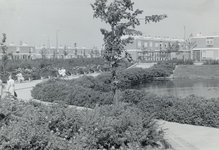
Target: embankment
(196, 71)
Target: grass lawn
(197, 71)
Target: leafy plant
(122, 18)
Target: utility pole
(184, 43)
(57, 46)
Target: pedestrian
(10, 86)
(20, 77)
(1, 89)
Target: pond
(208, 88)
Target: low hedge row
(190, 110)
(87, 92)
(180, 62)
(73, 91)
(49, 67)
(211, 62)
(28, 125)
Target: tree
(121, 17)
(172, 47)
(43, 52)
(65, 52)
(143, 52)
(189, 44)
(4, 53)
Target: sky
(36, 21)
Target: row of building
(197, 48)
(25, 51)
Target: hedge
(192, 110)
(29, 125)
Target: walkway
(180, 136)
(144, 65)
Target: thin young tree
(65, 52)
(4, 53)
(172, 47)
(122, 18)
(43, 52)
(189, 44)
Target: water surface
(208, 88)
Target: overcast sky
(28, 20)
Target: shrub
(28, 125)
(179, 62)
(84, 91)
(53, 90)
(190, 110)
(211, 62)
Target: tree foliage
(65, 52)
(173, 47)
(43, 53)
(4, 52)
(189, 44)
(122, 18)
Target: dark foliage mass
(211, 62)
(90, 91)
(35, 69)
(190, 110)
(31, 126)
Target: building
(66, 52)
(155, 48)
(25, 51)
(21, 51)
(207, 47)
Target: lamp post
(48, 42)
(57, 46)
(184, 43)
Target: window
(151, 44)
(145, 44)
(139, 43)
(165, 45)
(156, 44)
(210, 42)
(161, 44)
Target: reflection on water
(208, 88)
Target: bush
(211, 62)
(179, 62)
(53, 90)
(136, 76)
(190, 110)
(85, 91)
(29, 125)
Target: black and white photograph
(109, 75)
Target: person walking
(10, 86)
(1, 89)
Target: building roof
(208, 36)
(156, 38)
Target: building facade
(24, 51)
(66, 52)
(207, 48)
(155, 49)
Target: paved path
(180, 136)
(23, 90)
(144, 65)
(190, 137)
